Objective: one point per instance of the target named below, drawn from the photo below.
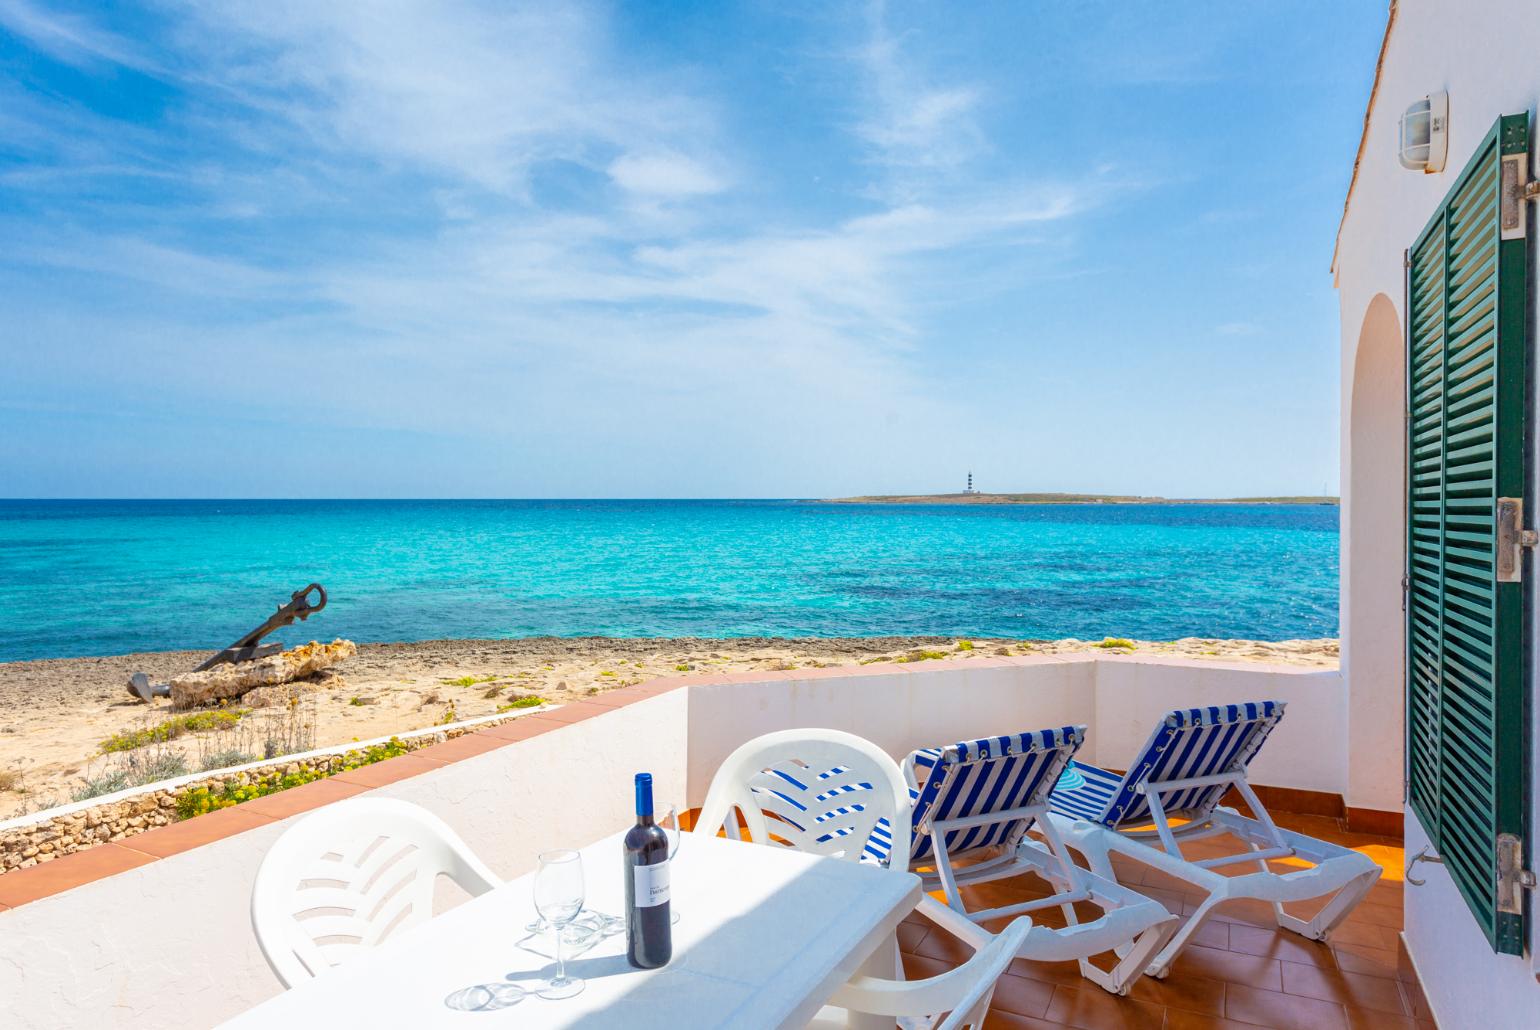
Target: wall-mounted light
(1425, 134)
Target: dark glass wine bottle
(649, 933)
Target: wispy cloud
(488, 222)
(912, 119)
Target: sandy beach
(61, 710)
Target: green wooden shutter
(1466, 370)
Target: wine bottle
(649, 933)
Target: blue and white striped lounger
(1183, 771)
(974, 802)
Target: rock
(225, 681)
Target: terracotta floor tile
(1022, 996)
(1367, 934)
(1094, 1008)
(1230, 966)
(1283, 1011)
(1355, 958)
(1416, 1001)
(20, 886)
(1243, 910)
(1386, 892)
(1376, 915)
(1352, 989)
(1176, 1019)
(302, 799)
(1369, 1019)
(918, 967)
(1067, 973)
(939, 944)
(1188, 993)
(392, 770)
(1174, 900)
(165, 841)
(910, 935)
(1213, 933)
(998, 1020)
(1280, 944)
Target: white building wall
(1485, 56)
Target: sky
(447, 248)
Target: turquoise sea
(107, 577)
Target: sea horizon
(96, 577)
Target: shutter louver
(1465, 449)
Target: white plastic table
(764, 937)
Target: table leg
(884, 961)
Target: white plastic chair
(963, 993)
(350, 876)
(816, 790)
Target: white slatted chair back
(348, 877)
(816, 790)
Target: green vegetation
(920, 656)
(449, 715)
(470, 681)
(1116, 642)
(521, 702)
(606, 672)
(226, 759)
(965, 645)
(138, 770)
(201, 800)
(195, 722)
(682, 668)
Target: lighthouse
(970, 482)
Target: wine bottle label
(651, 884)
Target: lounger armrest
(1116, 927)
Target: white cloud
(72, 40)
(910, 120)
(396, 256)
(664, 174)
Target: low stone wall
(86, 826)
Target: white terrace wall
(169, 944)
(1484, 56)
(1118, 698)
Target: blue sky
(446, 248)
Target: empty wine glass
(558, 899)
(669, 821)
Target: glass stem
(561, 963)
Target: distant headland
(974, 497)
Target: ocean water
(107, 577)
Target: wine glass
(669, 821)
(558, 899)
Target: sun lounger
(971, 805)
(1171, 795)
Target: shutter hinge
(1512, 878)
(1406, 588)
(1532, 190)
(1512, 539)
